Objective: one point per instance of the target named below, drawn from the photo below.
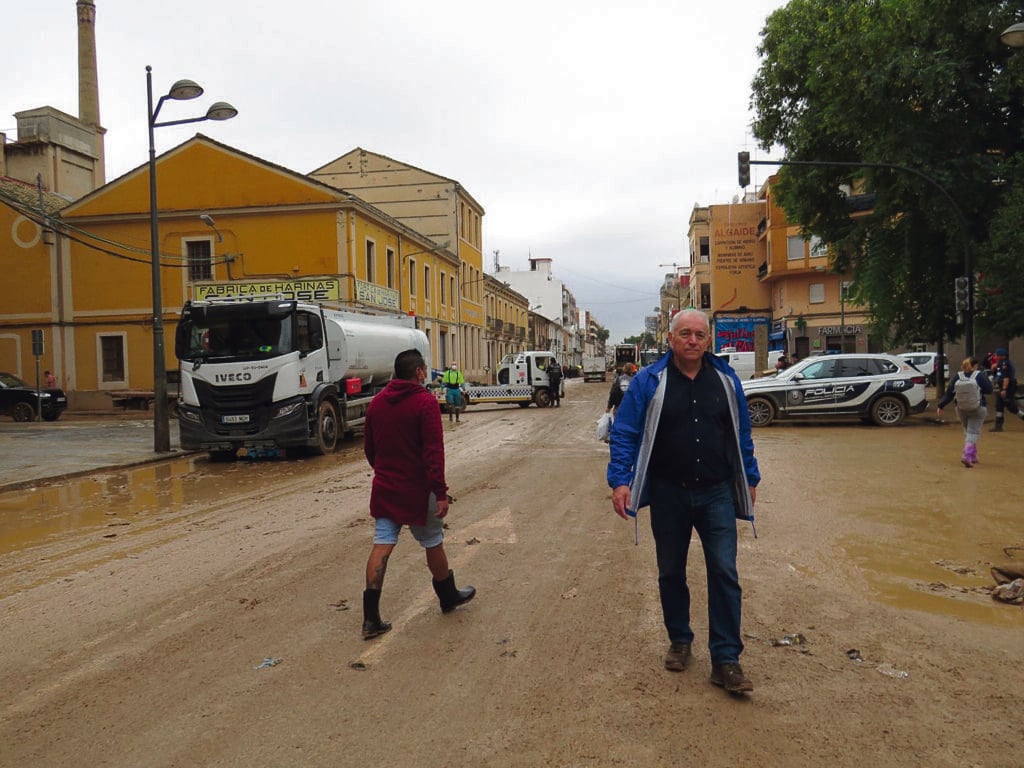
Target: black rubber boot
(372, 624)
(998, 427)
(452, 597)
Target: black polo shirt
(691, 448)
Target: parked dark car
(20, 401)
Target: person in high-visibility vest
(453, 381)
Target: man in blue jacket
(681, 443)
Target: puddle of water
(937, 559)
(139, 495)
(921, 531)
(76, 520)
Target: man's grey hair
(690, 313)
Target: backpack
(967, 392)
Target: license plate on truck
(235, 418)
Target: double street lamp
(182, 90)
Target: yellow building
(267, 229)
(735, 258)
(507, 313)
(809, 302)
(699, 234)
(31, 286)
(725, 253)
(440, 209)
(749, 264)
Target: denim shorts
(430, 535)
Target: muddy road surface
(137, 609)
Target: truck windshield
(233, 335)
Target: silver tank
(365, 347)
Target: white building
(549, 298)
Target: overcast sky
(587, 129)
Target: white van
(743, 362)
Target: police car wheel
(888, 411)
(761, 410)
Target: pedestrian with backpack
(619, 387)
(968, 388)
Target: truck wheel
(888, 411)
(327, 427)
(23, 412)
(542, 398)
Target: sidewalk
(79, 442)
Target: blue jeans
(675, 512)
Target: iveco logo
(229, 377)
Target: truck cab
(274, 373)
(522, 379)
(526, 368)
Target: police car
(875, 388)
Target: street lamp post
(842, 312)
(180, 91)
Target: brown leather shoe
(730, 677)
(678, 657)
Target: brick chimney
(88, 81)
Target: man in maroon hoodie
(404, 443)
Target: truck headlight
(288, 410)
(189, 414)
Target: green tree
(920, 83)
(644, 340)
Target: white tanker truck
(277, 373)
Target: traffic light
(980, 297)
(962, 294)
(743, 162)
